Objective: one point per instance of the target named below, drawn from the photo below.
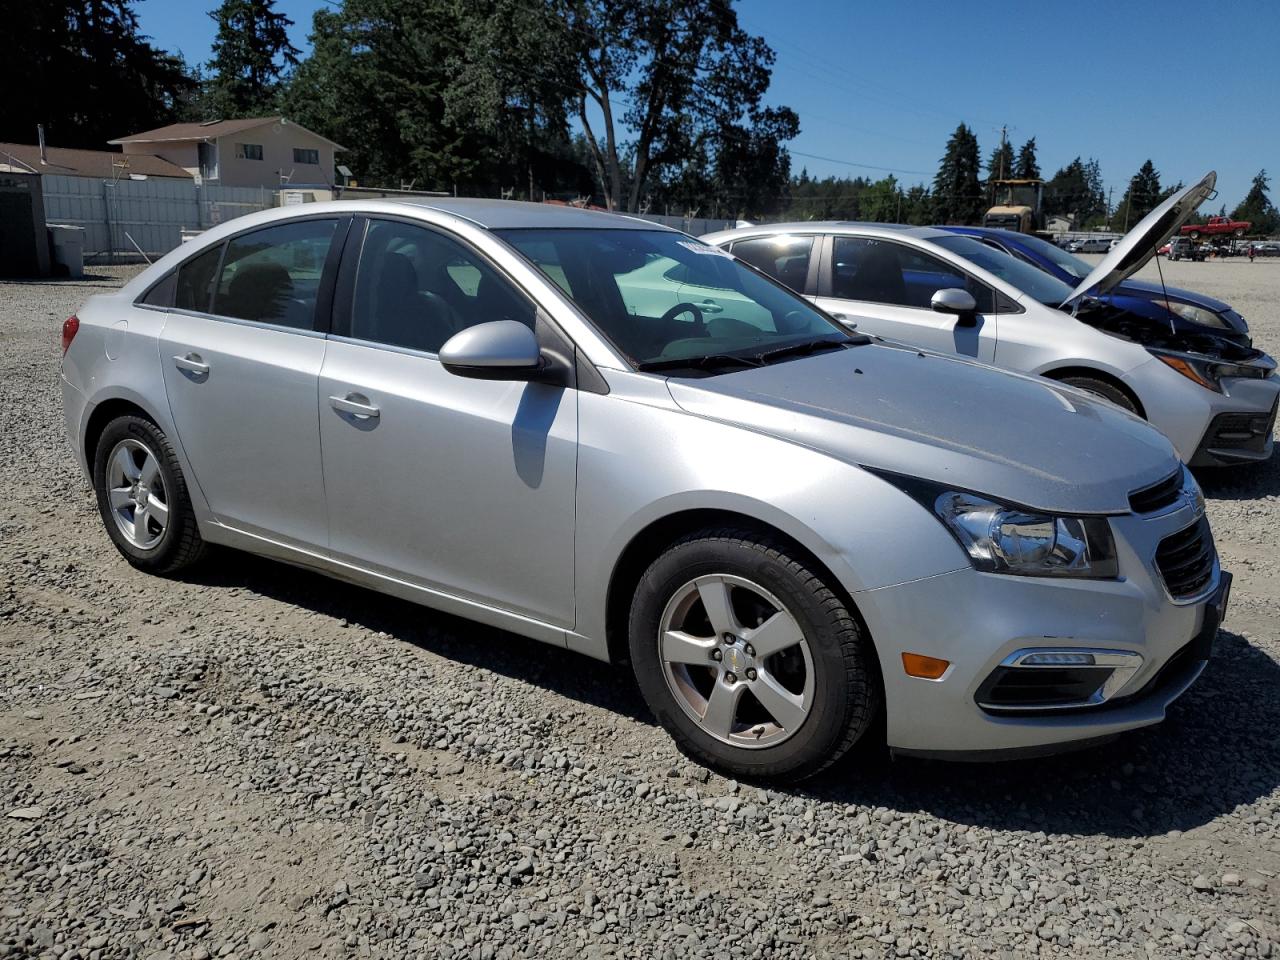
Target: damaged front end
(1202, 356)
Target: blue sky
(1191, 85)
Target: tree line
(657, 105)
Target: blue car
(1172, 308)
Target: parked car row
(607, 435)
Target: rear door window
(273, 275)
(785, 258)
(195, 281)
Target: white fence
(122, 216)
(152, 213)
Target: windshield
(662, 298)
(1030, 280)
(1073, 266)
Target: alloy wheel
(737, 661)
(136, 492)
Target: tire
(827, 684)
(1194, 234)
(132, 455)
(1105, 390)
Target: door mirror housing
(957, 301)
(498, 350)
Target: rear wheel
(142, 496)
(748, 659)
(1105, 390)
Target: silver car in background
(516, 413)
(1215, 399)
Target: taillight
(70, 327)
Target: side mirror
(499, 350)
(957, 301)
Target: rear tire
(751, 662)
(142, 496)
(1105, 390)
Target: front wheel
(751, 662)
(142, 496)
(1105, 390)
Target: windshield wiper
(705, 362)
(808, 347)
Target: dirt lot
(258, 761)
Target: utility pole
(1002, 143)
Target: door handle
(710, 306)
(356, 404)
(191, 363)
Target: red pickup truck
(1215, 226)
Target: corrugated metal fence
(152, 212)
(121, 216)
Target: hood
(1150, 290)
(1020, 439)
(1139, 245)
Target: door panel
(248, 425)
(885, 287)
(467, 486)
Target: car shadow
(1240, 483)
(554, 669)
(1218, 749)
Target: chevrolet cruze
(512, 412)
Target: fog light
(1057, 660)
(926, 668)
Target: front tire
(1105, 390)
(751, 662)
(142, 496)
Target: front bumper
(1205, 426)
(976, 621)
(1237, 437)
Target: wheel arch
(102, 414)
(649, 543)
(1094, 373)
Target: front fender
(864, 530)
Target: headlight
(1209, 372)
(1001, 538)
(1198, 315)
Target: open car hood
(1140, 244)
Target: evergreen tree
(251, 57)
(957, 195)
(1257, 208)
(1000, 164)
(1026, 167)
(1143, 195)
(82, 69)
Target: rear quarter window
(194, 289)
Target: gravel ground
(255, 760)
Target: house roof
(211, 130)
(107, 164)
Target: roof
(826, 226)
(211, 130)
(107, 164)
(520, 214)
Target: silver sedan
(1215, 399)
(517, 413)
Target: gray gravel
(256, 761)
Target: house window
(248, 151)
(306, 156)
